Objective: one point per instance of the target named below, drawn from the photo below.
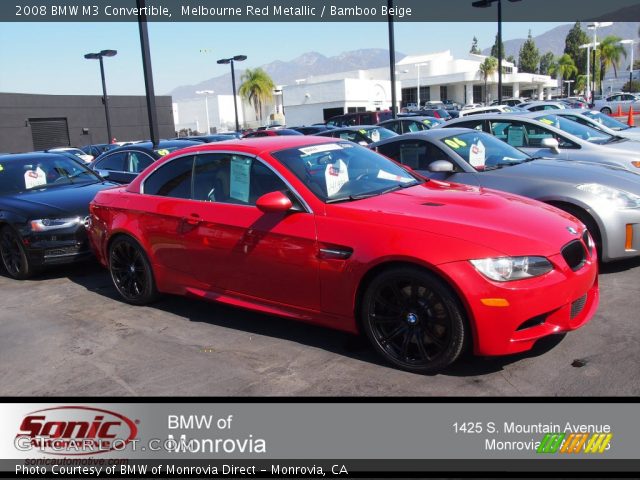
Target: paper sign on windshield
(390, 176)
(477, 154)
(240, 169)
(320, 148)
(336, 175)
(375, 135)
(34, 178)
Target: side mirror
(274, 202)
(103, 173)
(441, 166)
(552, 144)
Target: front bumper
(557, 302)
(58, 246)
(618, 240)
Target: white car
(543, 105)
(600, 121)
(86, 158)
(611, 103)
(492, 109)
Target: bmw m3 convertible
(328, 232)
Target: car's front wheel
(13, 254)
(413, 320)
(131, 271)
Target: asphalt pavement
(67, 333)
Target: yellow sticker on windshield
(363, 131)
(426, 122)
(452, 144)
(1, 168)
(162, 152)
(547, 121)
(460, 142)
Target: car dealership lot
(67, 333)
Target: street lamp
(568, 86)
(98, 56)
(418, 96)
(206, 94)
(594, 26)
(485, 4)
(588, 47)
(632, 45)
(224, 61)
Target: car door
(528, 137)
(114, 164)
(239, 248)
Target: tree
(494, 49)
(487, 69)
(474, 47)
(581, 84)
(610, 52)
(574, 39)
(511, 59)
(257, 89)
(565, 68)
(529, 56)
(632, 87)
(545, 62)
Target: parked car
(311, 129)
(512, 102)
(44, 206)
(205, 138)
(606, 199)
(362, 134)
(359, 118)
(328, 232)
(271, 133)
(492, 109)
(98, 149)
(611, 103)
(123, 164)
(543, 105)
(86, 158)
(440, 113)
(451, 105)
(410, 124)
(601, 121)
(537, 134)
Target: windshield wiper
(493, 167)
(362, 196)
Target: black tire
(14, 256)
(606, 111)
(413, 320)
(131, 271)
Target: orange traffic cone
(630, 121)
(619, 112)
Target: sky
(48, 58)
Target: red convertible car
(328, 232)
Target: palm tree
(581, 83)
(257, 89)
(611, 52)
(565, 67)
(487, 69)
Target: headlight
(619, 198)
(45, 224)
(507, 269)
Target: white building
(192, 113)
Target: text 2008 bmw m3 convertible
(328, 232)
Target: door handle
(193, 219)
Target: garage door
(49, 133)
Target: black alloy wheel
(413, 320)
(14, 255)
(131, 271)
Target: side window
(172, 179)
(473, 124)
(415, 127)
(517, 134)
(419, 154)
(235, 179)
(138, 161)
(394, 127)
(113, 162)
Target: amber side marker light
(495, 302)
(628, 244)
(635, 164)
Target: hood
(624, 147)
(64, 201)
(509, 224)
(560, 171)
(632, 133)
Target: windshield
(344, 171)
(42, 172)
(483, 151)
(581, 131)
(606, 120)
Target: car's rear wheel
(413, 320)
(606, 111)
(131, 271)
(13, 254)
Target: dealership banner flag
(315, 439)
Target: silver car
(600, 121)
(611, 103)
(542, 105)
(606, 199)
(543, 134)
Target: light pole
(594, 26)
(418, 65)
(631, 44)
(98, 56)
(224, 61)
(206, 94)
(588, 47)
(485, 4)
(568, 86)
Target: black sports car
(44, 208)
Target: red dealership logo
(72, 430)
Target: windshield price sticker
(1, 168)
(390, 176)
(477, 154)
(336, 175)
(375, 135)
(162, 152)
(240, 169)
(547, 121)
(455, 143)
(35, 178)
(320, 148)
